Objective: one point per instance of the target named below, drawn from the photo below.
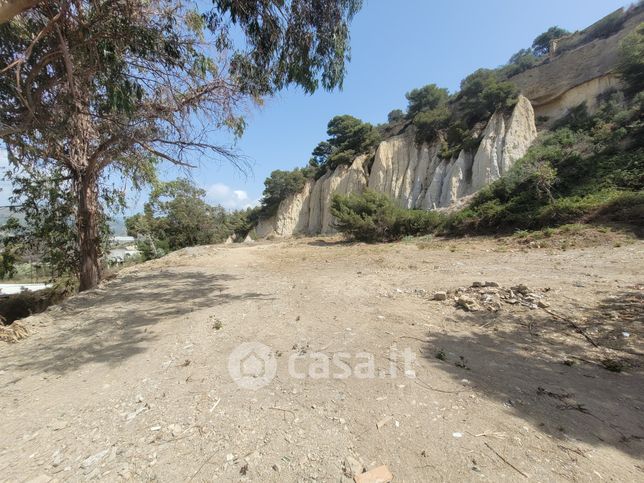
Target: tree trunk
(88, 231)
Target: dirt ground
(132, 381)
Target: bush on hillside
(573, 174)
(374, 217)
(541, 44)
(348, 138)
(396, 115)
(631, 60)
(482, 93)
(523, 60)
(429, 124)
(425, 98)
(279, 186)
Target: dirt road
(362, 368)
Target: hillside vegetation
(587, 168)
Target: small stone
(381, 474)
(58, 424)
(230, 457)
(543, 305)
(276, 467)
(175, 429)
(522, 289)
(478, 284)
(96, 458)
(56, 458)
(491, 284)
(440, 295)
(466, 303)
(383, 421)
(352, 467)
(155, 428)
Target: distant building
(122, 248)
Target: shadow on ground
(546, 373)
(112, 324)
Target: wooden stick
(506, 461)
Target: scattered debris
(490, 296)
(13, 332)
(466, 303)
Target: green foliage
(482, 93)
(177, 216)
(373, 217)
(523, 60)
(137, 82)
(396, 115)
(541, 44)
(300, 42)
(631, 60)
(348, 138)
(590, 167)
(430, 123)
(605, 27)
(279, 186)
(426, 98)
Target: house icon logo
(252, 365)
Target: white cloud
(229, 198)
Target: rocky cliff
(578, 74)
(412, 174)
(416, 177)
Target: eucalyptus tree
(106, 89)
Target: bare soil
(131, 381)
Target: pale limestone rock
(455, 184)
(344, 180)
(502, 144)
(265, 228)
(520, 134)
(292, 214)
(412, 175)
(488, 156)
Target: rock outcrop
(579, 74)
(415, 176)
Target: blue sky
(396, 45)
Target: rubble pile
(491, 296)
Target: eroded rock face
(412, 175)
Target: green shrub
(429, 124)
(541, 45)
(631, 60)
(279, 186)
(426, 98)
(348, 138)
(374, 217)
(395, 116)
(368, 217)
(482, 93)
